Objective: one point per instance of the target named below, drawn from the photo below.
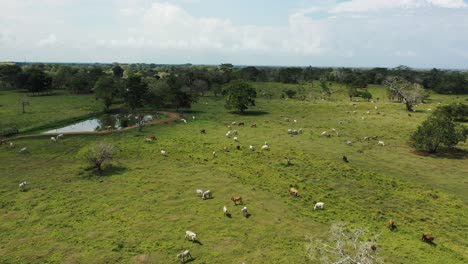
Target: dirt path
(171, 118)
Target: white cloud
(50, 40)
(374, 5)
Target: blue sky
(356, 33)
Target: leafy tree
(106, 89)
(456, 111)
(290, 93)
(11, 74)
(239, 95)
(97, 155)
(117, 71)
(37, 81)
(366, 95)
(290, 75)
(135, 92)
(438, 130)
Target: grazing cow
(226, 149)
(236, 199)
(238, 147)
(266, 147)
(22, 186)
(374, 248)
(59, 136)
(225, 210)
(23, 150)
(190, 235)
(11, 145)
(3, 141)
(163, 152)
(368, 112)
(286, 119)
(345, 159)
(253, 125)
(184, 120)
(319, 205)
(349, 143)
(148, 140)
(234, 132)
(375, 107)
(234, 123)
(183, 255)
(427, 238)
(236, 139)
(381, 143)
(391, 225)
(193, 117)
(199, 192)
(293, 191)
(241, 124)
(214, 154)
(228, 134)
(244, 211)
(366, 138)
(53, 139)
(251, 148)
(324, 133)
(207, 195)
(203, 131)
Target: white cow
(266, 147)
(59, 136)
(251, 148)
(207, 195)
(244, 211)
(199, 192)
(184, 120)
(163, 152)
(381, 143)
(324, 133)
(183, 255)
(22, 186)
(375, 107)
(234, 132)
(319, 205)
(11, 145)
(228, 134)
(23, 150)
(53, 139)
(214, 154)
(225, 210)
(190, 235)
(349, 143)
(236, 139)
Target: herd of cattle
(237, 200)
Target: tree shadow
(445, 153)
(198, 242)
(228, 215)
(107, 171)
(250, 113)
(248, 215)
(189, 260)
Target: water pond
(104, 122)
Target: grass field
(139, 209)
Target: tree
(97, 154)
(290, 75)
(105, 89)
(405, 92)
(345, 247)
(239, 95)
(437, 130)
(135, 92)
(117, 71)
(37, 81)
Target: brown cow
(254, 125)
(3, 141)
(226, 149)
(293, 191)
(236, 199)
(391, 225)
(241, 124)
(427, 238)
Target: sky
(338, 33)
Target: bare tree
(345, 247)
(96, 155)
(408, 93)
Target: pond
(105, 122)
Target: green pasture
(138, 210)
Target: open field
(139, 209)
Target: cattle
(226, 149)
(214, 154)
(11, 145)
(345, 159)
(148, 140)
(427, 238)
(366, 138)
(374, 248)
(190, 235)
(254, 125)
(368, 112)
(225, 210)
(234, 132)
(293, 191)
(193, 117)
(59, 136)
(349, 143)
(381, 143)
(286, 119)
(236, 199)
(183, 255)
(238, 147)
(22, 186)
(203, 131)
(244, 212)
(207, 195)
(375, 107)
(391, 225)
(251, 148)
(184, 120)
(234, 123)
(3, 141)
(266, 147)
(236, 139)
(163, 152)
(241, 124)
(319, 205)
(199, 192)
(228, 134)
(324, 133)
(53, 139)
(23, 150)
